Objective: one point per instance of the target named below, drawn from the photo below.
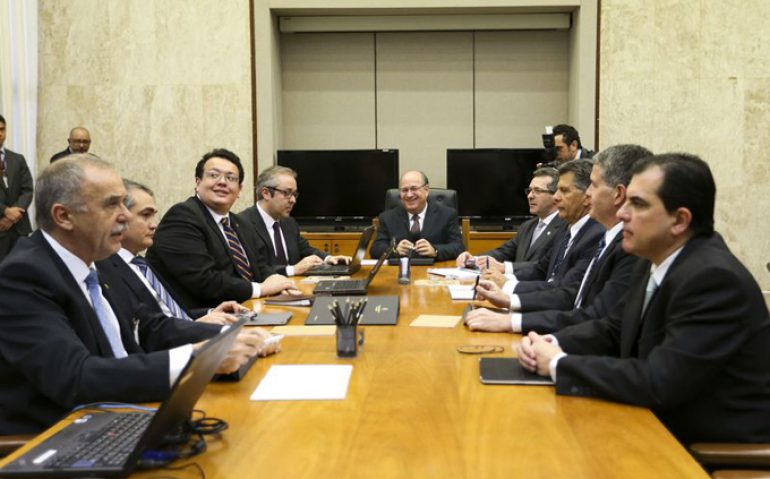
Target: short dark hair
(2, 120)
(553, 173)
(617, 162)
(569, 134)
(220, 153)
(687, 183)
(582, 171)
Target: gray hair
(133, 185)
(582, 171)
(553, 173)
(618, 161)
(269, 177)
(62, 183)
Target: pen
(474, 287)
(487, 262)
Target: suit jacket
(297, 247)
(698, 358)
(114, 270)
(534, 276)
(518, 249)
(17, 193)
(54, 353)
(606, 287)
(440, 228)
(62, 154)
(191, 254)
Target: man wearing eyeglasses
(79, 141)
(204, 252)
(285, 250)
(534, 239)
(426, 228)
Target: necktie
(587, 276)
(561, 254)
(280, 254)
(2, 161)
(538, 231)
(649, 291)
(236, 249)
(162, 292)
(113, 334)
(415, 229)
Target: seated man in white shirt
(285, 250)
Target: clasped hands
(314, 260)
(422, 246)
(12, 215)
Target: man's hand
(404, 247)
(275, 283)
(339, 259)
(482, 319)
(463, 258)
(249, 343)
(217, 317)
(14, 213)
(494, 276)
(535, 353)
(491, 292)
(5, 224)
(425, 248)
(233, 307)
(544, 352)
(490, 264)
(306, 263)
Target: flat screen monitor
(490, 182)
(341, 184)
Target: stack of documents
(454, 273)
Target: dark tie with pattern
(157, 286)
(280, 254)
(587, 277)
(560, 256)
(415, 229)
(237, 251)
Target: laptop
(70, 453)
(340, 287)
(344, 269)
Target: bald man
(79, 141)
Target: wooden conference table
(416, 408)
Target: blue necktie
(562, 253)
(584, 285)
(162, 292)
(113, 335)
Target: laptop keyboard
(346, 284)
(109, 445)
(329, 268)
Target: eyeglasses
(80, 142)
(285, 193)
(538, 191)
(411, 189)
(216, 175)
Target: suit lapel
(430, 221)
(261, 229)
(632, 315)
(551, 231)
(524, 252)
(292, 247)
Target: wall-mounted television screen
(490, 182)
(341, 185)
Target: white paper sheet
(461, 291)
(304, 381)
(368, 262)
(454, 273)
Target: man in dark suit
(203, 251)
(534, 238)
(607, 278)
(63, 339)
(690, 340)
(15, 195)
(285, 250)
(566, 146)
(146, 286)
(427, 228)
(79, 141)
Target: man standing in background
(15, 196)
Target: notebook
(380, 310)
(345, 269)
(339, 287)
(508, 371)
(126, 434)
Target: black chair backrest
(438, 195)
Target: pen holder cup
(347, 341)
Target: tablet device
(508, 371)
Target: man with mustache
(63, 339)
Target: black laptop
(379, 310)
(103, 444)
(344, 269)
(344, 287)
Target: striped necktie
(162, 293)
(109, 328)
(236, 250)
(561, 254)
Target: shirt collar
(575, 229)
(76, 266)
(269, 220)
(126, 255)
(421, 214)
(217, 217)
(611, 233)
(659, 272)
(547, 220)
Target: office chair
(438, 195)
(719, 455)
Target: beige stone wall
(694, 76)
(158, 83)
